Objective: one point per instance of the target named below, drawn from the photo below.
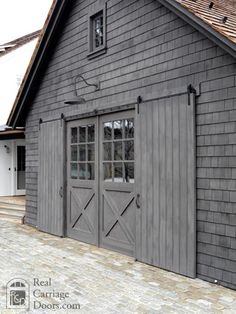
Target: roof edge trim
(201, 26)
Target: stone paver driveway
(97, 280)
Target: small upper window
(98, 28)
(97, 33)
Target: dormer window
(97, 33)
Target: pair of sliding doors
(100, 181)
(149, 213)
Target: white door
(6, 168)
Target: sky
(17, 18)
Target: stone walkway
(97, 280)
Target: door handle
(138, 201)
(61, 192)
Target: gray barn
(130, 116)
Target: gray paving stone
(99, 280)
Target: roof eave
(20, 102)
(201, 26)
(12, 134)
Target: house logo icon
(17, 294)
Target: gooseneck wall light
(76, 99)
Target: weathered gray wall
(149, 50)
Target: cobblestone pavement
(100, 281)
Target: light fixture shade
(76, 100)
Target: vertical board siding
(162, 120)
(156, 185)
(176, 183)
(191, 185)
(161, 252)
(50, 177)
(183, 186)
(150, 50)
(149, 186)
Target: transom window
(82, 161)
(118, 151)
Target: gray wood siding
(50, 178)
(166, 229)
(151, 50)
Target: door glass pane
(129, 128)
(129, 172)
(91, 174)
(91, 133)
(82, 134)
(20, 167)
(74, 153)
(91, 152)
(107, 171)
(118, 151)
(118, 129)
(118, 172)
(74, 171)
(74, 135)
(82, 152)
(82, 171)
(107, 127)
(107, 148)
(129, 150)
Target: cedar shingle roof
(17, 43)
(214, 12)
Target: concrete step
(11, 218)
(11, 212)
(9, 206)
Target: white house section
(12, 167)
(12, 69)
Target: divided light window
(97, 33)
(82, 147)
(118, 151)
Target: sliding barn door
(165, 150)
(50, 177)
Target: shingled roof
(17, 43)
(219, 14)
(217, 22)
